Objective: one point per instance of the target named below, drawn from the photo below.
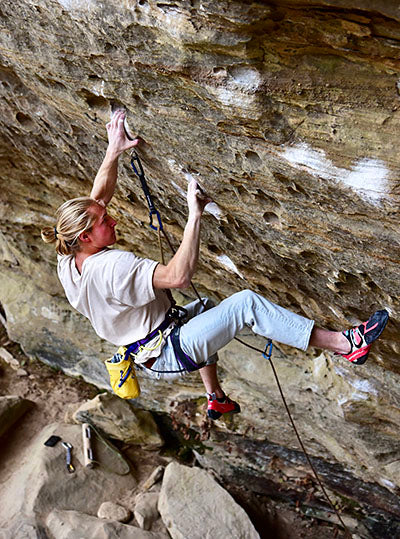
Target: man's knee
(245, 295)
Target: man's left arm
(106, 178)
(180, 269)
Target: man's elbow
(182, 282)
(168, 277)
(181, 277)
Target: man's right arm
(106, 178)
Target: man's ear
(84, 237)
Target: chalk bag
(122, 373)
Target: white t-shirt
(115, 292)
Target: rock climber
(125, 297)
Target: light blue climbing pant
(209, 328)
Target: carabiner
(268, 350)
(155, 212)
(135, 157)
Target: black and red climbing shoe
(362, 337)
(217, 407)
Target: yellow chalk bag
(122, 373)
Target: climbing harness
(266, 353)
(139, 345)
(187, 362)
(121, 367)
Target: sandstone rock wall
(287, 113)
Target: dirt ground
(53, 393)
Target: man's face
(102, 233)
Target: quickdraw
(138, 170)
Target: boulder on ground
(75, 525)
(192, 504)
(119, 420)
(146, 511)
(11, 409)
(114, 511)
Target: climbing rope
(267, 353)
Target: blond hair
(73, 218)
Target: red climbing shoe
(217, 407)
(362, 337)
